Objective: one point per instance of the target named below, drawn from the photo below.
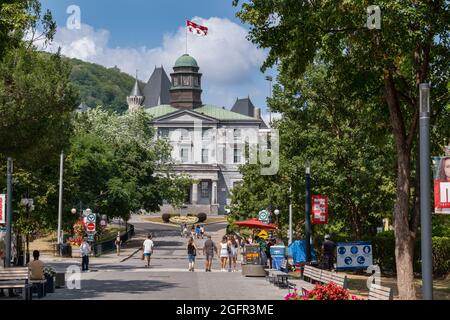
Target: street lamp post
(425, 216)
(9, 195)
(270, 79)
(277, 213)
(308, 212)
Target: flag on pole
(196, 28)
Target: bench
(377, 292)
(16, 278)
(40, 287)
(313, 276)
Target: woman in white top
(224, 253)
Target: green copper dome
(186, 61)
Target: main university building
(199, 133)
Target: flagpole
(186, 35)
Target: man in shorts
(208, 250)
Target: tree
(386, 64)
(116, 166)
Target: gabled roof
(156, 91)
(244, 107)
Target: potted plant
(49, 274)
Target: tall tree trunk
(404, 243)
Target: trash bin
(66, 250)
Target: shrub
(165, 217)
(330, 291)
(441, 255)
(202, 217)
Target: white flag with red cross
(196, 28)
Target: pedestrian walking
(193, 231)
(224, 253)
(328, 253)
(209, 247)
(118, 243)
(85, 251)
(197, 231)
(147, 248)
(234, 247)
(202, 231)
(192, 253)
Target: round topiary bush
(165, 217)
(202, 217)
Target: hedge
(166, 216)
(383, 245)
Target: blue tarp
(297, 251)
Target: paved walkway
(126, 277)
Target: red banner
(442, 184)
(320, 209)
(2, 209)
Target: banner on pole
(441, 185)
(2, 208)
(320, 209)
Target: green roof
(160, 110)
(186, 61)
(207, 110)
(220, 113)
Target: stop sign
(90, 227)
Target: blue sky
(139, 34)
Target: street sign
(353, 255)
(91, 218)
(2, 208)
(263, 234)
(91, 237)
(263, 216)
(90, 227)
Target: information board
(354, 255)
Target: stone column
(214, 193)
(194, 193)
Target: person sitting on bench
(36, 267)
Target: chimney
(257, 113)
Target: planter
(50, 285)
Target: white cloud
(225, 56)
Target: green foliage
(441, 255)
(100, 86)
(115, 164)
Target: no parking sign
(354, 255)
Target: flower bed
(330, 291)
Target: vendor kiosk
(251, 264)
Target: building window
(204, 155)
(184, 134)
(186, 81)
(204, 192)
(237, 133)
(237, 154)
(175, 81)
(184, 155)
(164, 132)
(196, 82)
